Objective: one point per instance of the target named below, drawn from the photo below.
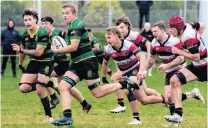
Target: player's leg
(134, 107)
(120, 107)
(69, 80)
(141, 95)
(86, 106)
(41, 91)
(28, 80)
(149, 91)
(184, 75)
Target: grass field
(20, 110)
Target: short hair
(159, 24)
(125, 20)
(72, 7)
(114, 30)
(47, 19)
(31, 13)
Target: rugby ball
(58, 42)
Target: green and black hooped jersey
(94, 41)
(39, 38)
(77, 31)
(58, 56)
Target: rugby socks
(184, 97)
(172, 108)
(179, 111)
(53, 96)
(67, 113)
(163, 99)
(46, 106)
(136, 115)
(121, 102)
(84, 103)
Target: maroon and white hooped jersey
(163, 50)
(137, 39)
(193, 42)
(125, 57)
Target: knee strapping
(25, 83)
(94, 86)
(41, 83)
(181, 77)
(131, 96)
(109, 73)
(69, 81)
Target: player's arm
(142, 59)
(96, 47)
(199, 27)
(151, 61)
(21, 56)
(105, 67)
(74, 38)
(148, 47)
(177, 61)
(34, 52)
(105, 63)
(69, 48)
(152, 58)
(192, 47)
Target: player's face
(11, 24)
(124, 29)
(157, 32)
(67, 15)
(111, 38)
(173, 31)
(29, 21)
(47, 25)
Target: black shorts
(43, 67)
(60, 67)
(100, 58)
(87, 69)
(199, 72)
(133, 72)
(168, 76)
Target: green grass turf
(20, 110)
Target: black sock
(172, 108)
(109, 73)
(33, 85)
(179, 111)
(184, 97)
(123, 84)
(163, 99)
(46, 106)
(136, 115)
(67, 113)
(120, 102)
(53, 96)
(84, 103)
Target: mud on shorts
(86, 69)
(42, 67)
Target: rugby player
(197, 52)
(61, 64)
(171, 63)
(125, 26)
(35, 44)
(97, 48)
(84, 65)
